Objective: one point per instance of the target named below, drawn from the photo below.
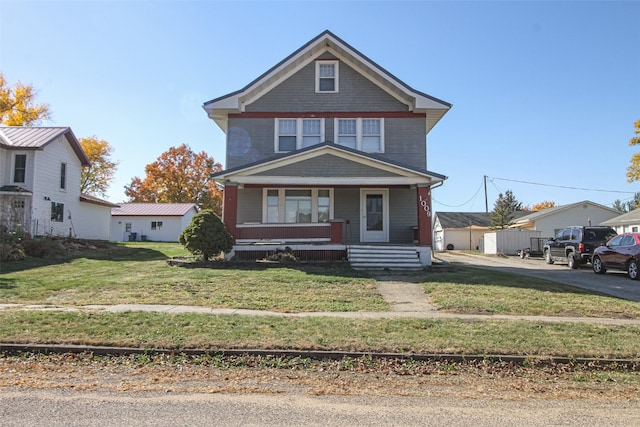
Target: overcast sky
(544, 94)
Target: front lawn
(138, 273)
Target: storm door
(374, 208)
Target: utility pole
(486, 203)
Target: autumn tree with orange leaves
(178, 176)
(543, 205)
(96, 178)
(18, 106)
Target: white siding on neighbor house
(627, 228)
(93, 221)
(170, 231)
(508, 242)
(46, 179)
(460, 239)
(581, 215)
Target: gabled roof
(153, 209)
(36, 138)
(463, 219)
(551, 211)
(632, 217)
(218, 109)
(469, 219)
(88, 198)
(258, 172)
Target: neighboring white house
(159, 222)
(628, 222)
(40, 170)
(550, 220)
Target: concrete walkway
(406, 299)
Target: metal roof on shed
(152, 209)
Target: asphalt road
(614, 283)
(73, 408)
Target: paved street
(71, 408)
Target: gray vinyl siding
(249, 205)
(347, 207)
(402, 211)
(328, 166)
(403, 215)
(249, 140)
(405, 141)
(297, 94)
(252, 139)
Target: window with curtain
(287, 134)
(293, 134)
(361, 134)
(297, 205)
(327, 76)
(347, 134)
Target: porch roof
(382, 171)
(14, 190)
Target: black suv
(574, 245)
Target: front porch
(359, 257)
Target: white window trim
(336, 86)
(276, 139)
(66, 174)
(281, 203)
(336, 130)
(13, 167)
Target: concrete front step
(363, 257)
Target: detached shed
(462, 230)
(459, 230)
(159, 222)
(509, 242)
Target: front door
(374, 209)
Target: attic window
(326, 76)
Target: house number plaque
(425, 205)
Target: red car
(620, 253)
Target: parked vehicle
(574, 245)
(620, 253)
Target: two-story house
(326, 153)
(40, 170)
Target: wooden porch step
(370, 257)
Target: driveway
(612, 283)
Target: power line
(467, 202)
(561, 186)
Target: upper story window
(20, 168)
(327, 76)
(63, 176)
(293, 134)
(361, 134)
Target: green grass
(420, 336)
(480, 291)
(138, 273)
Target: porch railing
(316, 232)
